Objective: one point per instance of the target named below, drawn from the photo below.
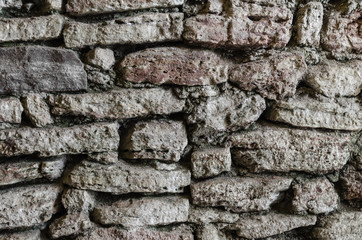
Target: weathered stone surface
(31, 29)
(173, 65)
(211, 215)
(101, 57)
(52, 5)
(139, 29)
(118, 104)
(239, 194)
(76, 200)
(135, 234)
(351, 182)
(309, 24)
(341, 226)
(10, 110)
(162, 140)
(22, 69)
(261, 226)
(28, 235)
(125, 178)
(70, 224)
(315, 196)
(82, 7)
(232, 110)
(151, 211)
(275, 77)
(307, 109)
(37, 110)
(336, 79)
(210, 162)
(28, 206)
(207, 232)
(98, 137)
(105, 157)
(280, 149)
(53, 169)
(6, 4)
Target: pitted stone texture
(240, 194)
(211, 215)
(271, 148)
(309, 24)
(315, 196)
(307, 109)
(210, 162)
(76, 200)
(28, 206)
(70, 224)
(23, 69)
(53, 169)
(101, 57)
(135, 234)
(10, 110)
(336, 79)
(341, 33)
(231, 111)
(123, 178)
(98, 137)
(262, 226)
(351, 182)
(207, 232)
(118, 104)
(172, 65)
(105, 157)
(162, 140)
(341, 226)
(138, 29)
(28, 235)
(275, 77)
(83, 7)
(8, 4)
(52, 5)
(37, 110)
(151, 211)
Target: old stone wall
(181, 119)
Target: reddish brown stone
(351, 181)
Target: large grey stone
(138, 29)
(101, 57)
(77, 200)
(202, 215)
(40, 69)
(10, 4)
(123, 178)
(151, 211)
(28, 206)
(275, 77)
(208, 232)
(98, 137)
(173, 65)
(270, 148)
(28, 235)
(118, 104)
(37, 110)
(70, 224)
(10, 110)
(240, 194)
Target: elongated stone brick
(28, 235)
(54, 141)
(10, 110)
(23, 69)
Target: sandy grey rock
(6, 4)
(118, 104)
(139, 29)
(270, 148)
(105, 157)
(315, 196)
(275, 77)
(149, 211)
(10, 110)
(31, 29)
(76, 200)
(208, 232)
(201, 215)
(37, 110)
(351, 183)
(341, 226)
(210, 162)
(101, 57)
(261, 226)
(123, 178)
(28, 235)
(22, 69)
(336, 79)
(70, 224)
(307, 109)
(52, 5)
(53, 169)
(309, 24)
(98, 137)
(174, 65)
(240, 194)
(28, 206)
(161, 140)
(82, 7)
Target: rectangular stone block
(10, 110)
(138, 29)
(37, 109)
(70, 224)
(98, 137)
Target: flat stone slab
(22, 69)
(10, 110)
(28, 235)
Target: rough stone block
(28, 235)
(53, 169)
(70, 224)
(101, 57)
(105, 157)
(52, 5)
(139, 29)
(37, 110)
(10, 110)
(76, 200)
(203, 215)
(351, 182)
(239, 194)
(22, 69)
(9, 4)
(208, 232)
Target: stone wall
(181, 119)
